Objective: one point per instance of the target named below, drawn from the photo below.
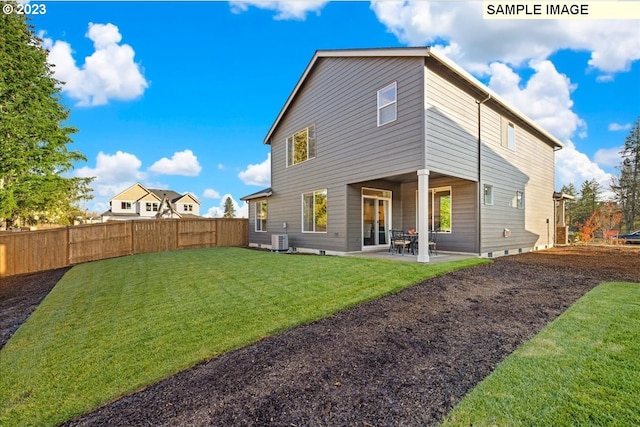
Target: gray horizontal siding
(529, 168)
(464, 227)
(354, 210)
(340, 98)
(451, 128)
(260, 237)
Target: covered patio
(408, 257)
(442, 205)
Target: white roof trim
(137, 184)
(479, 85)
(406, 52)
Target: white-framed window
(508, 134)
(387, 104)
(511, 136)
(518, 200)
(152, 207)
(125, 206)
(488, 194)
(314, 212)
(301, 146)
(440, 209)
(188, 208)
(261, 215)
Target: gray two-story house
(371, 140)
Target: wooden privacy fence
(31, 251)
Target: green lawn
(581, 370)
(114, 326)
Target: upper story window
(301, 146)
(387, 104)
(508, 135)
(511, 136)
(188, 208)
(152, 207)
(261, 215)
(125, 206)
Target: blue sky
(180, 95)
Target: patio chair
(398, 241)
(433, 235)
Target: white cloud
(113, 173)
(608, 156)
(575, 167)
(258, 174)
(613, 45)
(546, 97)
(181, 163)
(210, 193)
(617, 127)
(242, 210)
(108, 73)
(284, 9)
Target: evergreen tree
(34, 156)
(588, 202)
(229, 209)
(569, 205)
(627, 186)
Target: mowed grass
(111, 327)
(581, 370)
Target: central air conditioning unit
(279, 242)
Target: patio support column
(423, 215)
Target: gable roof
(136, 185)
(187, 196)
(258, 194)
(171, 195)
(431, 58)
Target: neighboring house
(138, 202)
(377, 139)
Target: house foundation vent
(279, 242)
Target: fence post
(176, 222)
(67, 247)
(133, 240)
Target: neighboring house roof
(258, 195)
(185, 198)
(484, 93)
(142, 189)
(171, 195)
